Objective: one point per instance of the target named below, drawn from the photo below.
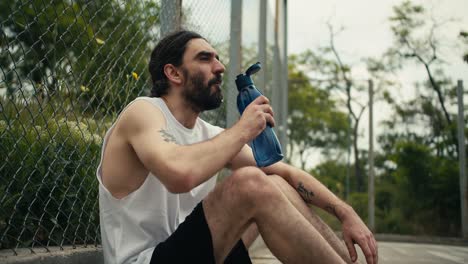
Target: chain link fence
(67, 68)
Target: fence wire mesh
(212, 20)
(67, 68)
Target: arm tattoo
(306, 194)
(331, 208)
(167, 137)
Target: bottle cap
(254, 68)
(243, 80)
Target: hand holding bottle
(255, 117)
(259, 117)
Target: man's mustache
(218, 79)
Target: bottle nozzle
(244, 80)
(254, 68)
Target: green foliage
(49, 196)
(84, 49)
(407, 17)
(420, 189)
(417, 189)
(416, 40)
(359, 203)
(330, 73)
(417, 195)
(333, 175)
(393, 222)
(314, 119)
(464, 36)
(68, 68)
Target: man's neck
(181, 110)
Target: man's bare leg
(247, 197)
(250, 235)
(336, 243)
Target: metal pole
(348, 158)
(284, 94)
(275, 91)
(262, 44)
(170, 16)
(371, 198)
(462, 161)
(232, 113)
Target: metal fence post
(262, 44)
(276, 85)
(234, 61)
(170, 16)
(371, 198)
(462, 161)
(285, 75)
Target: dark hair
(170, 50)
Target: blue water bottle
(266, 147)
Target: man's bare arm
(312, 191)
(183, 167)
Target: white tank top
(132, 226)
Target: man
(157, 194)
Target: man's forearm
(315, 193)
(204, 159)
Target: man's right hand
(255, 118)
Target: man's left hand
(356, 232)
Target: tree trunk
(303, 160)
(440, 97)
(357, 163)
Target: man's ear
(173, 74)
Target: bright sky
(366, 22)
(367, 33)
(367, 29)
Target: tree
(415, 187)
(418, 175)
(329, 71)
(416, 40)
(83, 49)
(418, 161)
(464, 37)
(314, 120)
(332, 174)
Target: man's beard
(199, 95)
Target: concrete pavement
(389, 252)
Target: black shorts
(192, 243)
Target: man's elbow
(177, 188)
(181, 181)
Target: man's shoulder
(141, 102)
(142, 106)
(140, 113)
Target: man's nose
(219, 67)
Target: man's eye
(205, 58)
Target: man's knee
(252, 184)
(282, 184)
(279, 181)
